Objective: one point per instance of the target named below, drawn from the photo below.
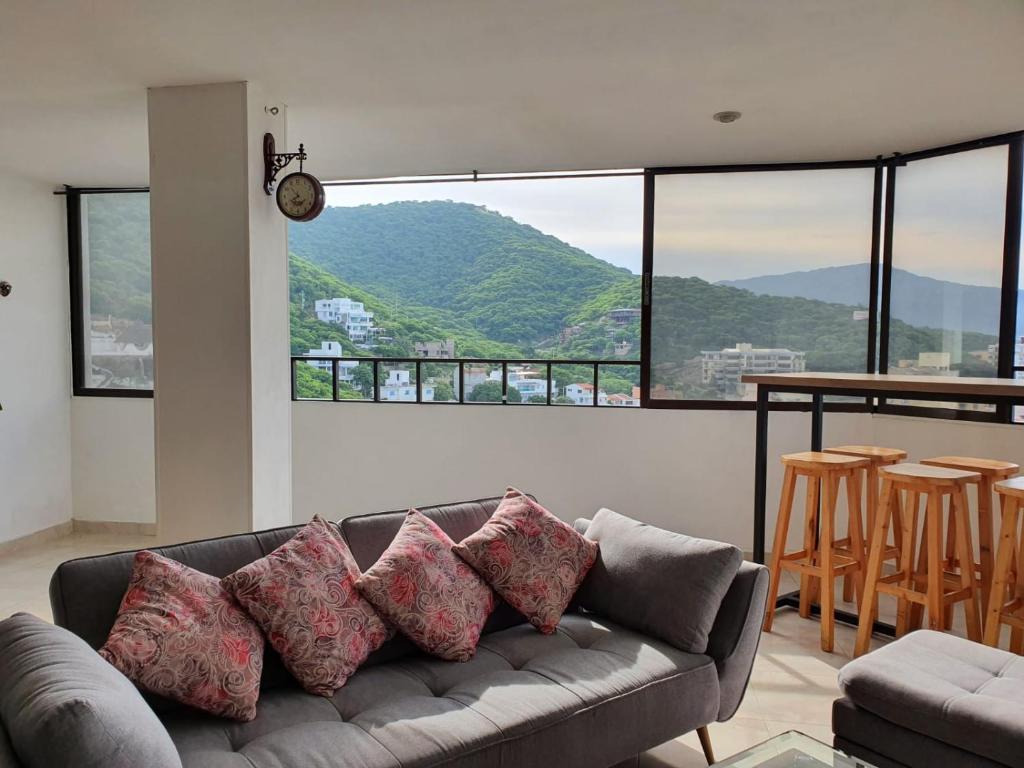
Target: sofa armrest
(736, 633)
(62, 705)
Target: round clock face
(300, 197)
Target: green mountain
(691, 315)
(511, 282)
(117, 246)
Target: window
(112, 319)
(515, 272)
(758, 272)
(947, 266)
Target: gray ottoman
(932, 700)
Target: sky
(602, 216)
(949, 217)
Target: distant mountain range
(917, 300)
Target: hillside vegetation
(512, 282)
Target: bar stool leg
(853, 487)
(933, 536)
(1004, 554)
(985, 537)
(908, 521)
(808, 583)
(779, 547)
(965, 552)
(830, 483)
(1017, 635)
(953, 562)
(879, 535)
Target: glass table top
(792, 750)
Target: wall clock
(300, 195)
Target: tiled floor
(792, 686)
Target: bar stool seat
(1009, 558)
(879, 456)
(990, 471)
(940, 590)
(821, 557)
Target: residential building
(351, 314)
(525, 380)
(440, 350)
(624, 315)
(583, 394)
(623, 400)
(723, 368)
(398, 387)
(332, 349)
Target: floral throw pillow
(434, 598)
(533, 560)
(180, 634)
(303, 596)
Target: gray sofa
(932, 700)
(593, 694)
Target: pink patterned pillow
(533, 560)
(303, 597)
(180, 634)
(428, 593)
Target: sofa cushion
(180, 634)
(950, 689)
(304, 598)
(419, 586)
(533, 560)
(525, 699)
(665, 584)
(65, 706)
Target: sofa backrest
(86, 593)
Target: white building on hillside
(351, 314)
(524, 380)
(398, 388)
(583, 394)
(332, 349)
(724, 367)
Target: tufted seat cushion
(573, 693)
(949, 689)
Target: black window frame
(882, 227)
(76, 252)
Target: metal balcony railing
(422, 373)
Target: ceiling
(401, 87)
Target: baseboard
(110, 526)
(47, 534)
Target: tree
(443, 392)
(362, 379)
(537, 399)
(563, 400)
(490, 392)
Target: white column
(220, 314)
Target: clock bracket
(274, 161)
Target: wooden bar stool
(940, 590)
(1009, 558)
(820, 558)
(990, 471)
(878, 457)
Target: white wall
(112, 470)
(691, 471)
(35, 368)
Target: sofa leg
(705, 744)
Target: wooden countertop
(878, 383)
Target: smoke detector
(728, 116)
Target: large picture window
(619, 288)
(758, 272)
